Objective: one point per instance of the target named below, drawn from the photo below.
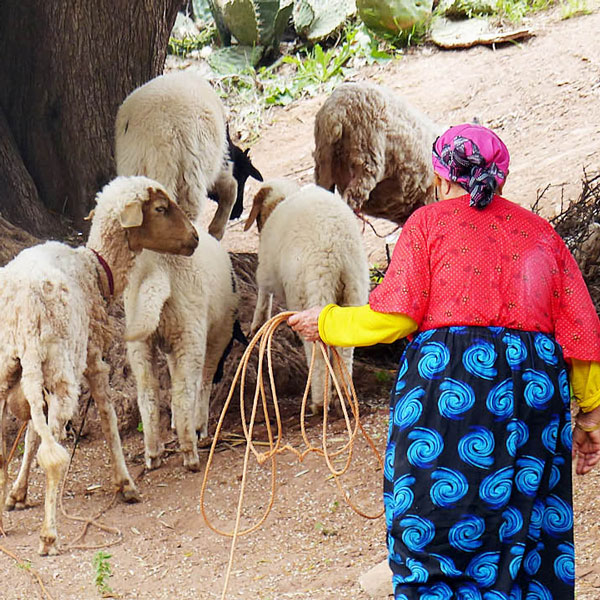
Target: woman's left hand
(306, 323)
(586, 448)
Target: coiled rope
(346, 394)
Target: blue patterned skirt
(477, 485)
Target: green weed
(140, 427)
(103, 572)
(574, 8)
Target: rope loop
(348, 401)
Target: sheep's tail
(51, 455)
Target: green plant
(324, 531)
(187, 45)
(140, 427)
(515, 10)
(103, 572)
(574, 8)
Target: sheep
(173, 129)
(375, 148)
(310, 254)
(55, 329)
(186, 308)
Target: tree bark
(64, 69)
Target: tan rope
(12, 555)
(347, 396)
(32, 572)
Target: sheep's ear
(154, 194)
(254, 172)
(257, 203)
(90, 215)
(131, 214)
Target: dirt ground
(543, 97)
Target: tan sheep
(310, 254)
(55, 329)
(375, 148)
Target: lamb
(55, 329)
(375, 148)
(310, 254)
(187, 308)
(173, 129)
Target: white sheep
(55, 329)
(375, 148)
(186, 308)
(310, 254)
(173, 129)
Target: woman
(477, 485)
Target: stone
(377, 581)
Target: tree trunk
(64, 69)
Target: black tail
(237, 335)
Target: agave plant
(314, 20)
(390, 17)
(255, 22)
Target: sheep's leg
(97, 375)
(141, 355)
(226, 189)
(214, 351)
(318, 380)
(3, 465)
(346, 356)
(51, 456)
(262, 311)
(185, 377)
(17, 498)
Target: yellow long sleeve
(362, 326)
(585, 383)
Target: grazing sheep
(55, 329)
(310, 254)
(375, 149)
(187, 309)
(173, 129)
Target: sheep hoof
(129, 494)
(153, 462)
(191, 463)
(47, 545)
(316, 409)
(14, 504)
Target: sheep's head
(154, 222)
(242, 169)
(266, 200)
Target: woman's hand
(586, 444)
(306, 323)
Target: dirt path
(543, 96)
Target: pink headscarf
(474, 157)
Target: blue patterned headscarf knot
(475, 158)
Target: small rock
(377, 581)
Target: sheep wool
(187, 308)
(375, 149)
(55, 333)
(310, 254)
(173, 129)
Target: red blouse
(500, 266)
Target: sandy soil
(543, 96)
